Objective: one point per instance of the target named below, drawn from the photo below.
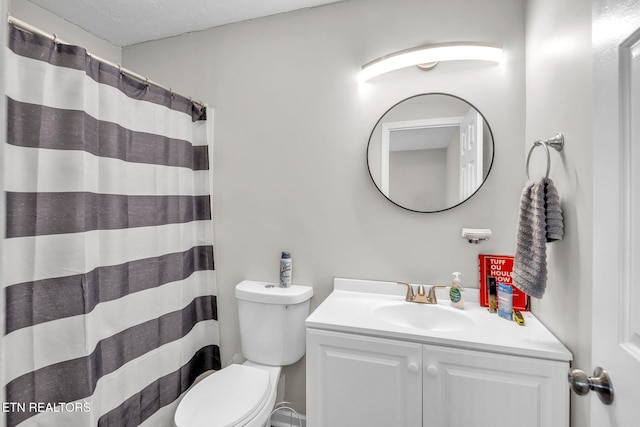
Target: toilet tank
(272, 328)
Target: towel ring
(556, 142)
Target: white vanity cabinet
(375, 360)
(355, 380)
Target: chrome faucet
(421, 296)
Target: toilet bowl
(238, 395)
(272, 335)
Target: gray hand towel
(540, 222)
(553, 212)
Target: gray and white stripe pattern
(108, 279)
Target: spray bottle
(285, 270)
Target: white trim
(628, 339)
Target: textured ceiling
(126, 22)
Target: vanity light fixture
(426, 57)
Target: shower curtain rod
(143, 79)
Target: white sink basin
(429, 317)
(378, 309)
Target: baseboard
(284, 418)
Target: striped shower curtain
(108, 273)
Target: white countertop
(349, 308)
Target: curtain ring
(546, 147)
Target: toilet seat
(229, 397)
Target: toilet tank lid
(272, 293)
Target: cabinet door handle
(413, 368)
(432, 370)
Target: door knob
(600, 382)
(413, 367)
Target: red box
(500, 267)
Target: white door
(471, 150)
(616, 212)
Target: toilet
(272, 335)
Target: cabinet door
(353, 380)
(471, 388)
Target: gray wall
(291, 131)
(417, 178)
(559, 99)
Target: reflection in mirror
(430, 152)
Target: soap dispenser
(456, 292)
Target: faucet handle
(432, 294)
(409, 297)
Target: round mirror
(430, 152)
